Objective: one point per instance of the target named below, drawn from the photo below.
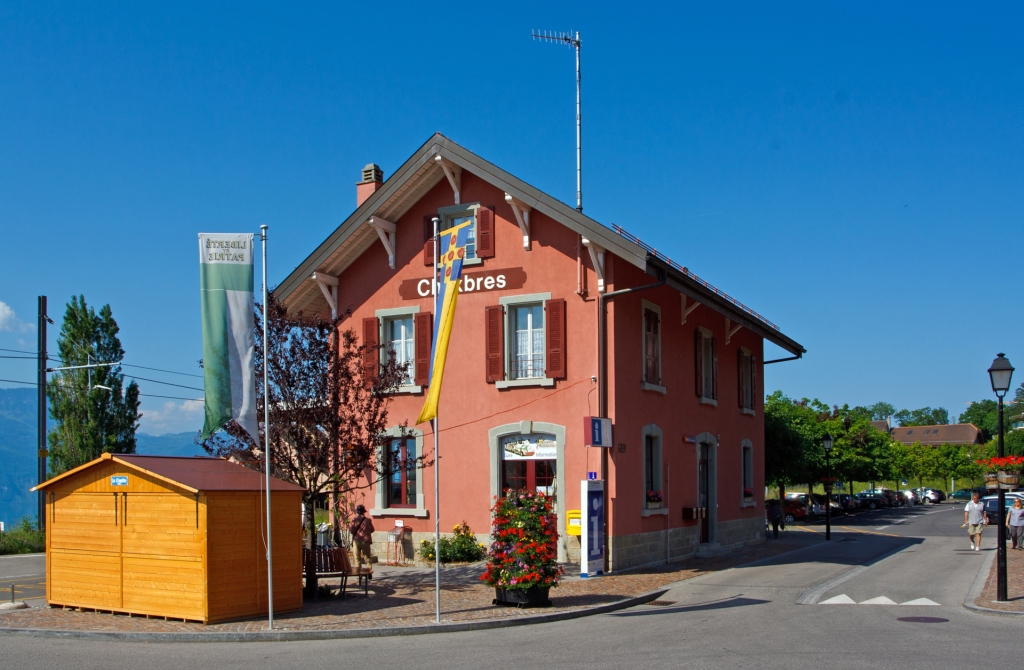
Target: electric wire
(147, 395)
(191, 388)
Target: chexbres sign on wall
(474, 282)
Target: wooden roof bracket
(686, 310)
(329, 286)
(597, 258)
(730, 330)
(454, 174)
(386, 232)
(522, 212)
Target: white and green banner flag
(226, 287)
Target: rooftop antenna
(572, 40)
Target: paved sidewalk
(404, 597)
(1014, 584)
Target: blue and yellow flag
(452, 246)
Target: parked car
(890, 497)
(871, 500)
(794, 510)
(931, 495)
(846, 501)
(992, 505)
(962, 494)
(911, 496)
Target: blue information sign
(597, 431)
(119, 481)
(591, 538)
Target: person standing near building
(361, 529)
(775, 516)
(975, 520)
(1015, 523)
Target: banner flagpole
(437, 459)
(266, 439)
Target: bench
(334, 562)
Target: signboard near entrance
(591, 539)
(471, 282)
(597, 432)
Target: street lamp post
(826, 442)
(1000, 374)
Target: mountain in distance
(18, 452)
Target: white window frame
(512, 301)
(749, 381)
(380, 506)
(706, 358)
(746, 447)
(644, 384)
(383, 316)
(446, 214)
(652, 430)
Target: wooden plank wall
(84, 557)
(236, 560)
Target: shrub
(23, 538)
(524, 551)
(461, 547)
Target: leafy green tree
(985, 415)
(94, 411)
(925, 416)
(786, 436)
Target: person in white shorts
(975, 520)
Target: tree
(985, 415)
(926, 416)
(786, 441)
(94, 412)
(329, 403)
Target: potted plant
(522, 563)
(654, 499)
(748, 493)
(1003, 471)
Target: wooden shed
(170, 537)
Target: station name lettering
(475, 282)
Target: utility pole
(41, 407)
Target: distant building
(882, 426)
(957, 433)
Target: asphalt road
(747, 617)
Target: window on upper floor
(400, 344)
(706, 366)
(480, 243)
(403, 334)
(525, 341)
(747, 368)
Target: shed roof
(197, 473)
(957, 433)
(421, 172)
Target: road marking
(880, 600)
(841, 599)
(810, 596)
(920, 601)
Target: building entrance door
(704, 492)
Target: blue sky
(854, 173)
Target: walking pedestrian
(362, 535)
(975, 520)
(775, 516)
(1015, 523)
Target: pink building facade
(681, 380)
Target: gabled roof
(957, 433)
(196, 474)
(421, 172)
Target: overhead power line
(172, 372)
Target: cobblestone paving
(406, 598)
(1014, 584)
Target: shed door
(162, 550)
(85, 556)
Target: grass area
(23, 538)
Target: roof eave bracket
(386, 232)
(454, 174)
(329, 287)
(730, 330)
(686, 310)
(522, 212)
(597, 258)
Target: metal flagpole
(437, 460)
(266, 439)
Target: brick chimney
(373, 178)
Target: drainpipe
(602, 388)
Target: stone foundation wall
(644, 549)
(741, 532)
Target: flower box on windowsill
(653, 505)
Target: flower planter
(991, 480)
(535, 596)
(1010, 478)
(653, 505)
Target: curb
(979, 586)
(349, 633)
